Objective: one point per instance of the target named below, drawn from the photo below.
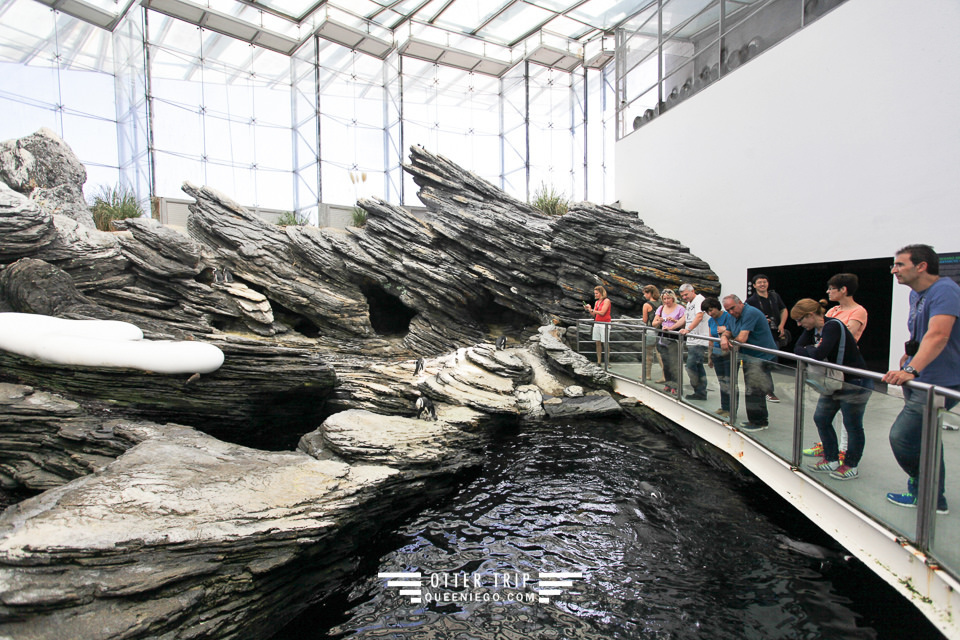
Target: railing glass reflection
(658, 359)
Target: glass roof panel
(359, 8)
(467, 15)
(110, 6)
(605, 14)
(388, 18)
(515, 23)
(568, 27)
(677, 13)
(24, 26)
(553, 5)
(274, 23)
(293, 8)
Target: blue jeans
(851, 402)
(905, 436)
(721, 366)
(758, 383)
(695, 371)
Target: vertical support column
(798, 413)
(929, 480)
(659, 56)
(720, 36)
(606, 346)
(734, 374)
(316, 84)
(526, 124)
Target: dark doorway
(797, 281)
(389, 317)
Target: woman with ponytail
(829, 340)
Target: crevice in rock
(389, 317)
(294, 320)
(496, 318)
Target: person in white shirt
(696, 325)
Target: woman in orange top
(840, 289)
(601, 314)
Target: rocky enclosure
(151, 528)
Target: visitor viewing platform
(916, 550)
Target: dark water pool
(665, 547)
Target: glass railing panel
(626, 350)
(584, 340)
(877, 470)
(756, 27)
(644, 108)
(700, 386)
(946, 527)
(765, 403)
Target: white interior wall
(840, 143)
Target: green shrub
(359, 216)
(291, 219)
(117, 203)
(549, 201)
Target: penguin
(425, 408)
(217, 276)
(418, 367)
(227, 276)
(501, 343)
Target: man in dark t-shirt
(773, 307)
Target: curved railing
(627, 354)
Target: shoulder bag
(824, 380)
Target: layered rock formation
(46, 170)
(186, 536)
(401, 285)
(151, 530)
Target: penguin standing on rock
(501, 343)
(418, 367)
(425, 409)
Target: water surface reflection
(667, 546)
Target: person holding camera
(773, 307)
(601, 315)
(932, 355)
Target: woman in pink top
(840, 289)
(672, 317)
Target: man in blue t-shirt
(750, 327)
(717, 321)
(932, 355)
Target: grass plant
(549, 201)
(359, 216)
(292, 219)
(114, 203)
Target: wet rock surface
(187, 536)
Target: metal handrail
(930, 446)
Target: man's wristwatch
(911, 370)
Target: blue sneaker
(909, 498)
